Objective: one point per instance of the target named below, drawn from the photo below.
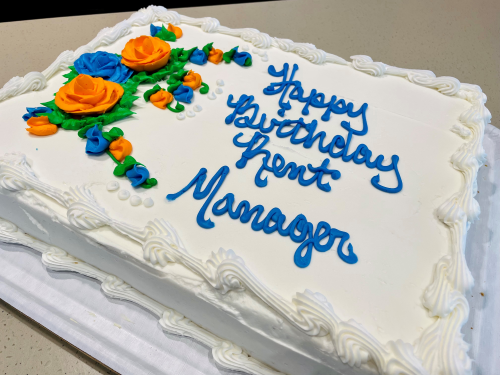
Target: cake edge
(444, 298)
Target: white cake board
(129, 339)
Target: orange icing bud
(192, 80)
(161, 98)
(85, 95)
(215, 56)
(146, 53)
(176, 30)
(41, 126)
(120, 148)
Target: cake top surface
(387, 233)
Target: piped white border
(441, 348)
(225, 353)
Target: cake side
(468, 159)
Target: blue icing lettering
(279, 167)
(300, 230)
(338, 147)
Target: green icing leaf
(149, 183)
(130, 87)
(204, 88)
(177, 76)
(186, 54)
(228, 56)
(178, 107)
(207, 48)
(173, 87)
(248, 62)
(70, 75)
(113, 134)
(175, 53)
(166, 35)
(150, 92)
(52, 105)
(116, 114)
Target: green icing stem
(204, 88)
(178, 107)
(112, 157)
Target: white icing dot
(255, 50)
(211, 95)
(112, 186)
(218, 90)
(123, 195)
(190, 113)
(148, 202)
(197, 108)
(265, 58)
(181, 116)
(245, 47)
(262, 53)
(220, 82)
(135, 200)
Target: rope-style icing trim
(225, 353)
(441, 348)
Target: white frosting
(211, 95)
(181, 116)
(123, 195)
(197, 108)
(190, 113)
(219, 90)
(220, 82)
(397, 253)
(148, 202)
(112, 186)
(135, 200)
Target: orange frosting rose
(85, 95)
(161, 98)
(120, 148)
(192, 80)
(41, 126)
(146, 53)
(215, 56)
(176, 30)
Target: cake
(155, 160)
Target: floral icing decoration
(166, 34)
(215, 56)
(240, 58)
(192, 80)
(35, 111)
(41, 126)
(198, 57)
(85, 95)
(176, 30)
(161, 98)
(103, 64)
(146, 53)
(137, 175)
(120, 148)
(128, 163)
(183, 94)
(96, 143)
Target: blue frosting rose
(137, 175)
(240, 58)
(154, 29)
(183, 94)
(198, 57)
(34, 111)
(96, 143)
(103, 64)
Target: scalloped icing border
(440, 349)
(225, 353)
